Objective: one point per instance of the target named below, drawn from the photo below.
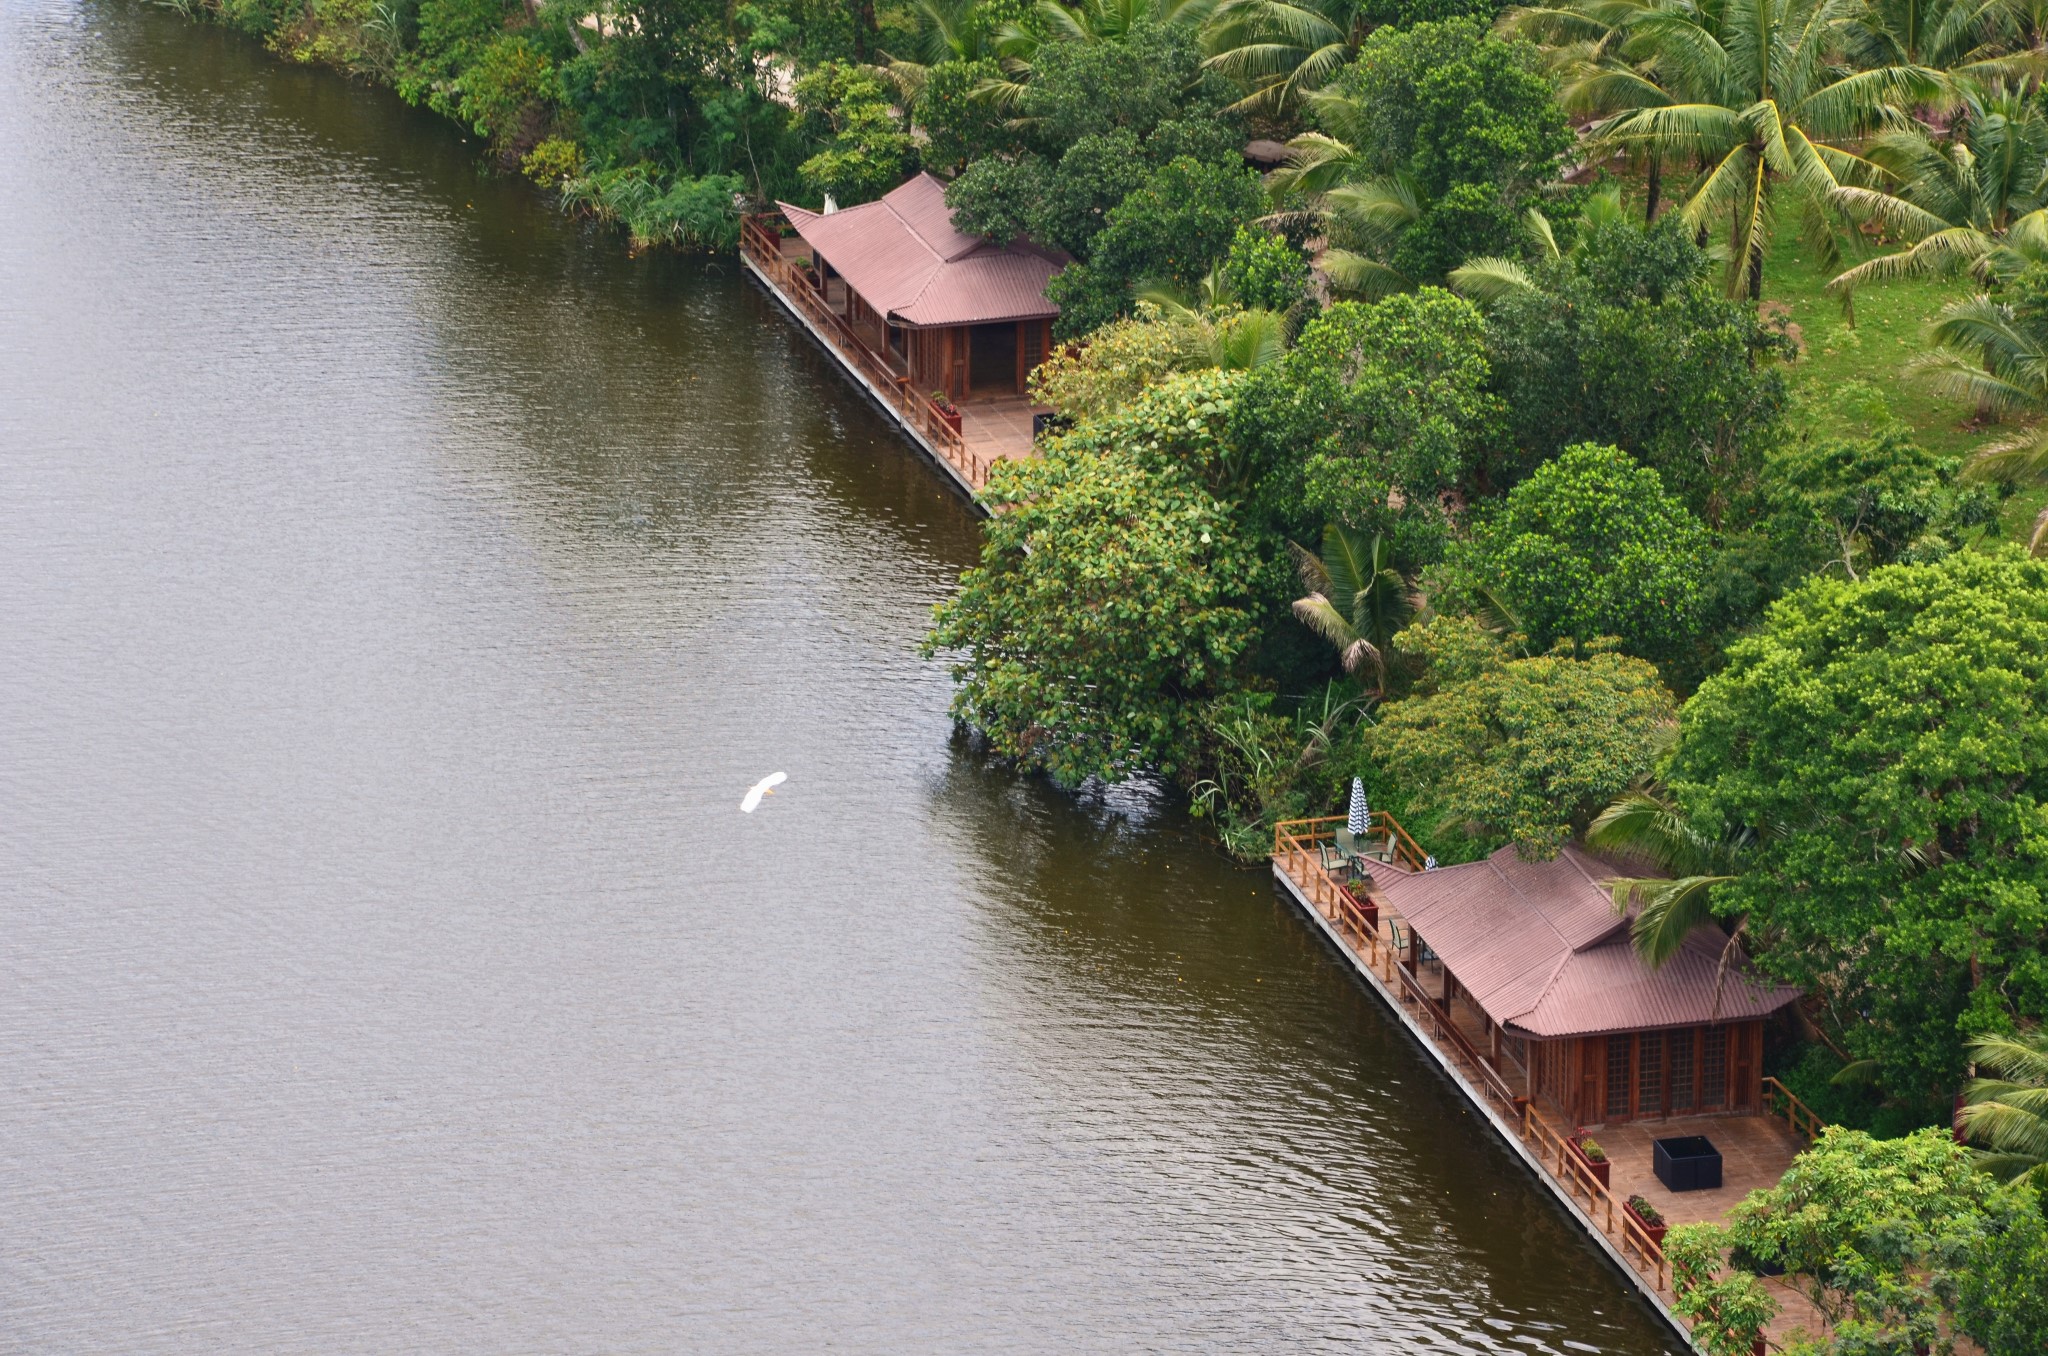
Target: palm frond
(1358, 276)
(1489, 278)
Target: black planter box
(1688, 1163)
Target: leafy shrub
(1591, 545)
(1114, 595)
(1121, 360)
(509, 80)
(1267, 764)
(1530, 749)
(1172, 228)
(452, 35)
(691, 214)
(1264, 272)
(866, 153)
(553, 161)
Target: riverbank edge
(860, 380)
(1479, 1103)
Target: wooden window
(1617, 1077)
(1650, 1074)
(1684, 1096)
(1714, 1069)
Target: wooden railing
(1553, 1150)
(1379, 824)
(1368, 929)
(1798, 1115)
(761, 242)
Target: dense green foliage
(1378, 411)
(1115, 591)
(1624, 341)
(1885, 738)
(1902, 1245)
(1173, 227)
(1588, 546)
(1529, 749)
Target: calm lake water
(399, 585)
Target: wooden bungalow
(1564, 1000)
(956, 313)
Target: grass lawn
(1891, 326)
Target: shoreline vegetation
(1606, 422)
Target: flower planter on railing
(1368, 908)
(1595, 1168)
(1654, 1232)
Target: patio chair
(1345, 853)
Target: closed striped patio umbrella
(1361, 814)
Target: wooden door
(1592, 1080)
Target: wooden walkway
(1756, 1148)
(993, 428)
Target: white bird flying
(765, 787)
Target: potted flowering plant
(1648, 1217)
(948, 411)
(1592, 1157)
(1362, 897)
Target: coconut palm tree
(1971, 39)
(1281, 50)
(1954, 196)
(1489, 277)
(1348, 197)
(1220, 332)
(1992, 351)
(1358, 600)
(1648, 824)
(1753, 94)
(1113, 20)
(952, 30)
(2008, 1115)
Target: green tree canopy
(1378, 410)
(1591, 545)
(1172, 228)
(1529, 749)
(1901, 1244)
(866, 152)
(1115, 594)
(1624, 342)
(1887, 739)
(1426, 151)
(1451, 104)
(1852, 504)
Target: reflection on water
(399, 587)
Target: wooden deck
(993, 428)
(1756, 1149)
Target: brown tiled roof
(905, 258)
(1540, 948)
